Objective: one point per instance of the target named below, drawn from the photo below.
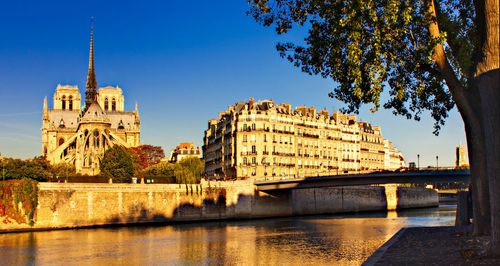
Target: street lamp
(437, 165)
(418, 162)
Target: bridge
(442, 176)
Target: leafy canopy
(368, 46)
(148, 154)
(117, 164)
(189, 170)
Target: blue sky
(182, 61)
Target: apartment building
(267, 140)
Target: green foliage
(187, 171)
(365, 45)
(37, 168)
(117, 164)
(63, 170)
(13, 192)
(163, 169)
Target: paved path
(431, 246)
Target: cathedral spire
(91, 93)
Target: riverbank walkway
(447, 245)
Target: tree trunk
(479, 177)
(489, 91)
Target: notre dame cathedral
(79, 136)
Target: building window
(265, 138)
(113, 105)
(254, 149)
(254, 171)
(61, 141)
(106, 104)
(254, 161)
(253, 126)
(245, 127)
(96, 139)
(63, 102)
(244, 138)
(70, 102)
(244, 161)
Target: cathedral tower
(91, 93)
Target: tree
(63, 170)
(148, 154)
(117, 164)
(37, 168)
(189, 170)
(162, 170)
(429, 55)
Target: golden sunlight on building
(79, 136)
(184, 150)
(263, 139)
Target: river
(305, 240)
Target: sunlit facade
(263, 139)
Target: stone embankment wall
(79, 205)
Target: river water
(305, 240)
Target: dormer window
(61, 123)
(120, 125)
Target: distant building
(393, 159)
(184, 150)
(79, 136)
(461, 156)
(263, 139)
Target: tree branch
(439, 57)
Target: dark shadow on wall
(212, 208)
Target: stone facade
(263, 139)
(184, 150)
(79, 136)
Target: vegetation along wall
(66, 205)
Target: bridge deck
(462, 176)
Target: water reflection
(326, 239)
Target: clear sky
(182, 61)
